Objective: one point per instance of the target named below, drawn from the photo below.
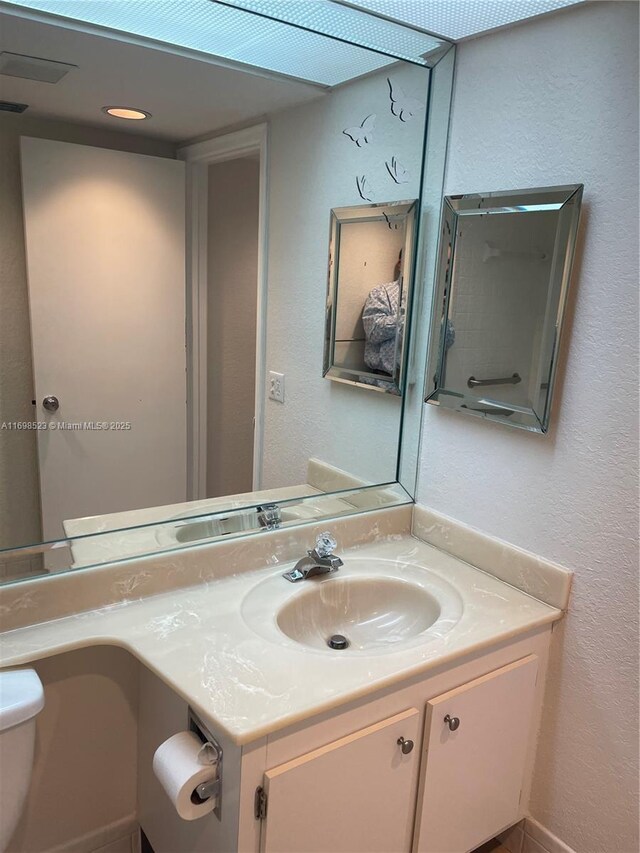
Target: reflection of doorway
(226, 312)
(232, 264)
(104, 236)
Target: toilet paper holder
(212, 788)
(206, 790)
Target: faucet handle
(269, 516)
(325, 543)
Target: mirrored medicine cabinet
(166, 317)
(369, 291)
(503, 276)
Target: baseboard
(529, 836)
(542, 840)
(512, 839)
(118, 837)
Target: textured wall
(313, 167)
(232, 270)
(554, 101)
(19, 489)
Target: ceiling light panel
(344, 22)
(233, 33)
(459, 19)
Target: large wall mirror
(163, 303)
(370, 277)
(503, 274)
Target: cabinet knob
(452, 722)
(405, 745)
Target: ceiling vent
(11, 107)
(33, 68)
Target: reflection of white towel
(383, 321)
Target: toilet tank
(21, 699)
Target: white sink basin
(368, 612)
(378, 606)
(196, 525)
(192, 527)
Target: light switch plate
(276, 386)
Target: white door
(476, 741)
(105, 241)
(355, 795)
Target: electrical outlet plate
(276, 386)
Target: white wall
(232, 269)
(313, 168)
(554, 101)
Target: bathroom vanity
(418, 736)
(434, 764)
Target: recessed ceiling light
(126, 112)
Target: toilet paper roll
(178, 765)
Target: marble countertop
(122, 535)
(118, 521)
(197, 641)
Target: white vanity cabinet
(351, 796)
(474, 757)
(341, 782)
(458, 786)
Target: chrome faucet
(319, 561)
(269, 516)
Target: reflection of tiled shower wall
(499, 301)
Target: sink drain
(337, 641)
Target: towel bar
(472, 382)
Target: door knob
(453, 722)
(405, 745)
(51, 403)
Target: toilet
(21, 699)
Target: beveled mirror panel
(504, 266)
(163, 299)
(369, 291)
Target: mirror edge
(426, 249)
(349, 214)
(569, 207)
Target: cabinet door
(471, 784)
(355, 794)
